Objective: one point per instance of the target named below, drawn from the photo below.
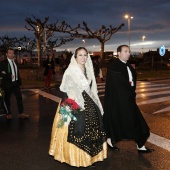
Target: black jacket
(6, 78)
(122, 117)
(47, 67)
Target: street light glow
(126, 16)
(143, 37)
(19, 47)
(84, 42)
(128, 19)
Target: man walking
(122, 117)
(11, 82)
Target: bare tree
(63, 27)
(11, 42)
(30, 46)
(45, 32)
(7, 42)
(102, 35)
(58, 42)
(14, 42)
(37, 26)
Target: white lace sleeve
(72, 89)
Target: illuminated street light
(143, 38)
(128, 18)
(38, 28)
(84, 42)
(19, 49)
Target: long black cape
(122, 117)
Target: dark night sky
(151, 18)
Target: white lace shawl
(74, 83)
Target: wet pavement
(24, 143)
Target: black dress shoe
(115, 148)
(146, 151)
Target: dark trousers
(15, 89)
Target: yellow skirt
(64, 151)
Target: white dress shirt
(130, 75)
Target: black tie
(14, 70)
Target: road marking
(100, 87)
(152, 89)
(141, 88)
(150, 85)
(154, 139)
(142, 95)
(101, 95)
(157, 100)
(47, 95)
(162, 110)
(103, 90)
(159, 141)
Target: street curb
(38, 87)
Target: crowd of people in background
(63, 61)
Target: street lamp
(128, 18)
(143, 38)
(84, 42)
(19, 49)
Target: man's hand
(12, 77)
(3, 72)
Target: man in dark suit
(11, 83)
(122, 117)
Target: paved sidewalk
(24, 144)
(57, 78)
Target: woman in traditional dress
(80, 142)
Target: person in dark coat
(122, 117)
(48, 71)
(65, 62)
(11, 82)
(96, 66)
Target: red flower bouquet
(68, 107)
(72, 104)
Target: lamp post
(39, 36)
(128, 18)
(84, 42)
(143, 38)
(19, 49)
